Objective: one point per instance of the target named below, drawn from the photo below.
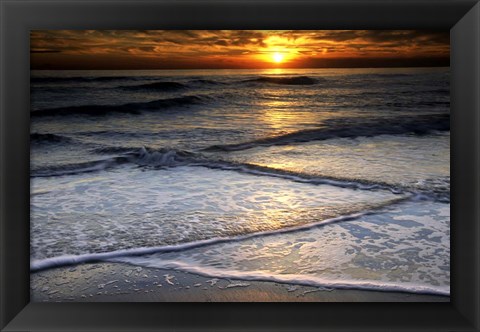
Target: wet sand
(115, 282)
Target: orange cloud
(128, 49)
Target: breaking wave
(141, 157)
(430, 189)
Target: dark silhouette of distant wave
(130, 108)
(294, 80)
(156, 86)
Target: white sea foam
(129, 208)
(204, 220)
(42, 264)
(406, 248)
(304, 280)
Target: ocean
(335, 178)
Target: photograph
(240, 165)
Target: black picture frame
(18, 17)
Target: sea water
(328, 177)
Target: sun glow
(277, 57)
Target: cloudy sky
(186, 49)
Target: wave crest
(349, 128)
(156, 86)
(163, 157)
(138, 156)
(430, 189)
(48, 138)
(130, 108)
(296, 80)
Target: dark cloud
(337, 36)
(221, 42)
(237, 48)
(407, 37)
(45, 51)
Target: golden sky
(188, 49)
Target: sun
(277, 57)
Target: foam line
(47, 263)
(173, 158)
(303, 280)
(302, 178)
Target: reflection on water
(405, 160)
(131, 208)
(314, 144)
(404, 248)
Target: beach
(113, 282)
(240, 185)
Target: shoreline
(119, 282)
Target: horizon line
(273, 68)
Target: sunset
(201, 49)
(240, 166)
